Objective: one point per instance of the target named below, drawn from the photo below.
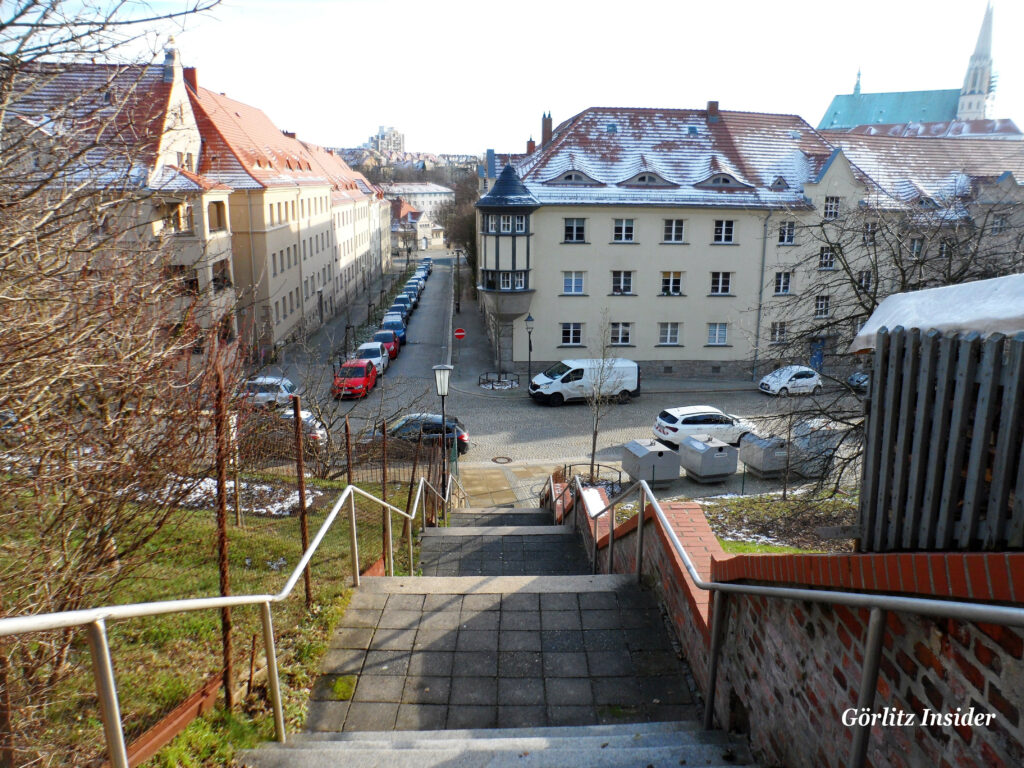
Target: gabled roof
(945, 129)
(852, 109)
(684, 147)
(171, 178)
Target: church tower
(979, 83)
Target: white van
(578, 379)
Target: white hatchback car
(376, 353)
(269, 391)
(791, 380)
(674, 424)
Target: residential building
(412, 230)
(387, 139)
(949, 113)
(687, 239)
(308, 231)
(426, 197)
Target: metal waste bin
(814, 444)
(707, 459)
(650, 460)
(764, 457)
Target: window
(831, 208)
(270, 212)
(864, 279)
(778, 333)
(622, 281)
(916, 247)
(787, 233)
(572, 334)
(671, 283)
(620, 333)
(277, 312)
(506, 223)
(574, 230)
(826, 258)
(273, 262)
(492, 223)
(999, 225)
(821, 306)
(520, 224)
(668, 333)
(720, 283)
(723, 230)
(718, 334)
(870, 230)
(572, 282)
(505, 281)
(673, 230)
(623, 231)
(782, 283)
(520, 281)
(946, 248)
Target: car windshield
(369, 354)
(396, 324)
(667, 417)
(556, 370)
(385, 337)
(352, 372)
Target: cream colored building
(697, 242)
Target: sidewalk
(474, 356)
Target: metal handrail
(95, 619)
(878, 605)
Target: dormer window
(573, 177)
(722, 181)
(779, 185)
(647, 179)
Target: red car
(355, 378)
(390, 341)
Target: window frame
(623, 230)
(787, 233)
(783, 283)
(822, 306)
(721, 284)
(724, 232)
(577, 228)
(582, 282)
(826, 259)
(830, 208)
(624, 278)
(670, 276)
(672, 228)
(778, 332)
(721, 334)
(620, 334)
(570, 330)
(668, 333)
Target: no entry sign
(460, 333)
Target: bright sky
(461, 76)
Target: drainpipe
(252, 261)
(298, 252)
(760, 296)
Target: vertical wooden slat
(963, 402)
(981, 440)
(873, 440)
(944, 382)
(887, 410)
(900, 460)
(1009, 452)
(919, 457)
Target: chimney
(289, 134)
(713, 115)
(191, 79)
(545, 129)
(171, 61)
(531, 145)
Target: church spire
(856, 87)
(978, 84)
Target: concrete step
(500, 511)
(512, 517)
(467, 585)
(504, 530)
(662, 745)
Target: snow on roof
(986, 306)
(415, 188)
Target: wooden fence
(943, 463)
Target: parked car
(576, 379)
(673, 424)
(413, 293)
(393, 322)
(408, 428)
(375, 352)
(403, 299)
(427, 263)
(419, 282)
(791, 380)
(390, 340)
(269, 391)
(859, 381)
(399, 309)
(423, 273)
(354, 378)
(313, 430)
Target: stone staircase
(506, 651)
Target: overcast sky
(462, 76)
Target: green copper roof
(848, 110)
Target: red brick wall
(789, 669)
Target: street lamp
(442, 373)
(529, 349)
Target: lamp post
(529, 349)
(442, 373)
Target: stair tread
(414, 740)
(427, 585)
(494, 530)
(555, 731)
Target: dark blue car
(396, 325)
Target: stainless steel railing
(95, 619)
(878, 605)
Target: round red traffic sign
(460, 333)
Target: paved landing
(510, 652)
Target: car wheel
(817, 391)
(740, 438)
(784, 392)
(624, 396)
(556, 399)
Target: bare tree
(603, 384)
(107, 345)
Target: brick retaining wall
(789, 669)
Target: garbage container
(814, 444)
(650, 460)
(707, 459)
(764, 457)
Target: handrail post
(390, 542)
(106, 691)
(868, 685)
(412, 565)
(596, 530)
(353, 538)
(640, 536)
(611, 540)
(272, 677)
(719, 620)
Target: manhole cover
(502, 460)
